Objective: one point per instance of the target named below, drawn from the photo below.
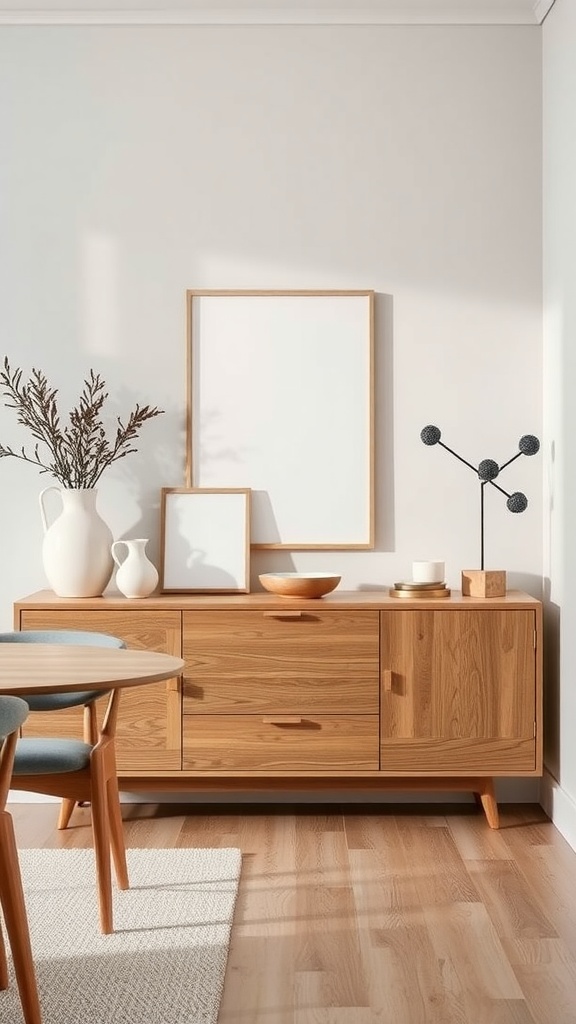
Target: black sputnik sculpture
(487, 471)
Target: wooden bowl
(299, 584)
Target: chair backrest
(59, 701)
(13, 712)
(61, 636)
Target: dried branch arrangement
(79, 451)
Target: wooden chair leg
(3, 964)
(66, 809)
(12, 900)
(101, 834)
(117, 832)
(90, 732)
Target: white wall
(559, 81)
(140, 161)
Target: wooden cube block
(483, 583)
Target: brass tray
(420, 586)
(428, 593)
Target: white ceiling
(275, 12)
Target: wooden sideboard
(356, 691)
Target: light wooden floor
(357, 915)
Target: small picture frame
(205, 540)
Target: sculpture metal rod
(456, 456)
(498, 488)
(482, 486)
(504, 464)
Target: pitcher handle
(52, 487)
(113, 552)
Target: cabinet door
(458, 692)
(149, 733)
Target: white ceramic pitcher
(76, 545)
(136, 575)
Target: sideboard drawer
(294, 743)
(286, 660)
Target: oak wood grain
(338, 599)
(374, 914)
(460, 681)
(324, 662)
(225, 742)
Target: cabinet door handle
(387, 679)
(282, 720)
(282, 615)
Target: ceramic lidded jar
(136, 575)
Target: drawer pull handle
(282, 720)
(283, 615)
(387, 679)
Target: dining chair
(79, 771)
(13, 712)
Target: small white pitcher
(136, 576)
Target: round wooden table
(61, 668)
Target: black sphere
(430, 435)
(488, 469)
(517, 502)
(528, 444)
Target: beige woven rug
(166, 961)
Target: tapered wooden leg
(90, 731)
(488, 799)
(117, 833)
(66, 809)
(3, 964)
(12, 900)
(101, 833)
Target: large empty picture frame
(280, 399)
(205, 540)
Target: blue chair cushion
(50, 757)
(59, 701)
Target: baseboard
(560, 807)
